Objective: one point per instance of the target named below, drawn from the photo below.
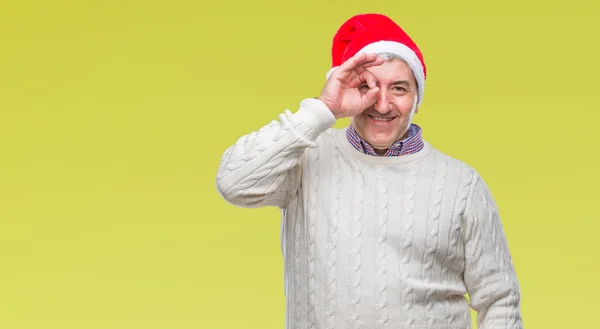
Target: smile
(381, 119)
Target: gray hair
(392, 56)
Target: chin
(381, 144)
(381, 140)
(384, 138)
(379, 134)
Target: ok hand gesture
(341, 93)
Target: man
(379, 229)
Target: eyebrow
(400, 82)
(396, 83)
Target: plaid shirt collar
(413, 143)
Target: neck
(351, 151)
(380, 151)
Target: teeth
(382, 119)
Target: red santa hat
(377, 33)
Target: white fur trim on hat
(403, 52)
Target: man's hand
(341, 93)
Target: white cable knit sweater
(374, 242)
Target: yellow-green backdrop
(114, 115)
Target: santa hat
(377, 33)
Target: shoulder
(455, 165)
(474, 187)
(472, 191)
(468, 179)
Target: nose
(382, 105)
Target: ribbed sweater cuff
(313, 118)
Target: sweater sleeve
(490, 277)
(263, 168)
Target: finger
(366, 77)
(364, 66)
(370, 97)
(356, 65)
(369, 78)
(376, 62)
(356, 61)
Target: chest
(415, 208)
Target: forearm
(262, 168)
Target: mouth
(381, 120)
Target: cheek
(361, 118)
(406, 106)
(358, 122)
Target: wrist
(336, 115)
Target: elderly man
(379, 228)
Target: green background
(114, 115)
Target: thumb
(370, 97)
